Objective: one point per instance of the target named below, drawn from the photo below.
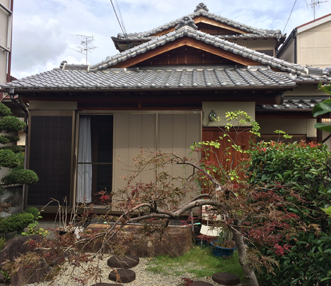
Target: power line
(119, 12)
(290, 15)
(118, 20)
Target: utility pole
(85, 49)
(314, 3)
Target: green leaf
(323, 126)
(322, 107)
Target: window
(95, 157)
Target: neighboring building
(6, 8)
(309, 44)
(87, 122)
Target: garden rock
(200, 283)
(105, 284)
(123, 275)
(226, 278)
(14, 201)
(125, 262)
(37, 272)
(16, 247)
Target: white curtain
(84, 180)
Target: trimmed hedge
(8, 158)
(4, 110)
(16, 222)
(11, 124)
(20, 176)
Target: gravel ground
(143, 277)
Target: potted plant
(224, 245)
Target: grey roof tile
(155, 77)
(206, 38)
(202, 11)
(304, 103)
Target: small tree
(12, 156)
(255, 214)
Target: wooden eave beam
(212, 22)
(190, 43)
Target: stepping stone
(200, 283)
(106, 284)
(226, 278)
(125, 262)
(123, 275)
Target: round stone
(200, 283)
(122, 275)
(125, 262)
(226, 278)
(106, 284)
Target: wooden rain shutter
(50, 158)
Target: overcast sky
(45, 31)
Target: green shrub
(14, 148)
(8, 158)
(34, 211)
(8, 139)
(11, 124)
(4, 110)
(308, 263)
(16, 222)
(20, 176)
(303, 168)
(300, 166)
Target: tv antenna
(85, 49)
(314, 3)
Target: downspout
(26, 113)
(295, 46)
(20, 106)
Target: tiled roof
(202, 10)
(304, 103)
(135, 37)
(166, 77)
(187, 31)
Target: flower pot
(222, 251)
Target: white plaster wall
(3, 40)
(290, 126)
(221, 108)
(257, 44)
(314, 46)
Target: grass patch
(199, 261)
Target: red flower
(279, 250)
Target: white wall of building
(5, 37)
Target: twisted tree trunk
(248, 270)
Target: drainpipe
(295, 46)
(20, 106)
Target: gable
(194, 46)
(186, 55)
(206, 25)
